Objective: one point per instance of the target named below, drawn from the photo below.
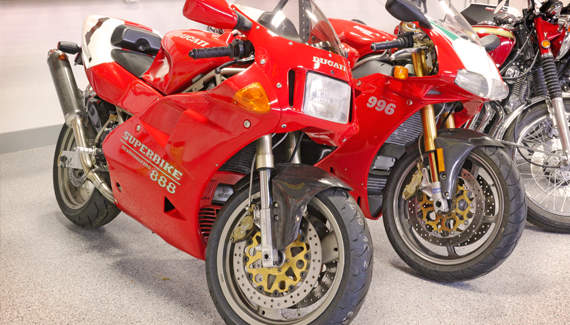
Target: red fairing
(550, 32)
(118, 86)
(173, 70)
(359, 36)
(507, 38)
(352, 54)
(351, 162)
(215, 13)
(185, 138)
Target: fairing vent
(206, 218)
(376, 184)
(409, 131)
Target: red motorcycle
(168, 126)
(453, 207)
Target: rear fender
(293, 187)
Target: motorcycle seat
(136, 39)
(133, 62)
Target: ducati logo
(318, 61)
(192, 39)
(365, 31)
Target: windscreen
(448, 20)
(297, 20)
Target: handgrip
(212, 52)
(388, 45)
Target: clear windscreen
(297, 20)
(443, 16)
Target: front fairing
(286, 63)
(448, 23)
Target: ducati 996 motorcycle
(533, 58)
(169, 128)
(452, 201)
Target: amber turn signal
(401, 72)
(253, 98)
(545, 44)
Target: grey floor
(52, 272)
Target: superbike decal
(192, 39)
(381, 105)
(318, 61)
(146, 157)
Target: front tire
(329, 288)
(547, 189)
(488, 219)
(77, 198)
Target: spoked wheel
(476, 236)
(324, 277)
(76, 196)
(547, 188)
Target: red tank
(502, 52)
(359, 36)
(169, 77)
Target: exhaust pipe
(71, 102)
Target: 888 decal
(163, 181)
(381, 105)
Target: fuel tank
(502, 52)
(359, 36)
(173, 70)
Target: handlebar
(237, 49)
(212, 52)
(388, 45)
(403, 41)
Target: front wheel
(325, 275)
(547, 188)
(486, 220)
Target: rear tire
(489, 241)
(540, 189)
(332, 211)
(83, 205)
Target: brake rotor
(456, 226)
(283, 286)
(77, 177)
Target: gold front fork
(428, 118)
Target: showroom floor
(52, 272)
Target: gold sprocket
(278, 278)
(459, 215)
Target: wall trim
(29, 139)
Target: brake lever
(405, 53)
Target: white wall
(29, 28)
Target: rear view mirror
(404, 10)
(215, 13)
(500, 6)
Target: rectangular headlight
(326, 98)
(472, 82)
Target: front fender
(293, 187)
(457, 144)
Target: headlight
(326, 98)
(477, 84)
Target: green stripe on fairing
(447, 33)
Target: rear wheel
(325, 276)
(480, 232)
(547, 189)
(76, 196)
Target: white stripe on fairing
(100, 47)
(98, 51)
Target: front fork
(265, 163)
(430, 133)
